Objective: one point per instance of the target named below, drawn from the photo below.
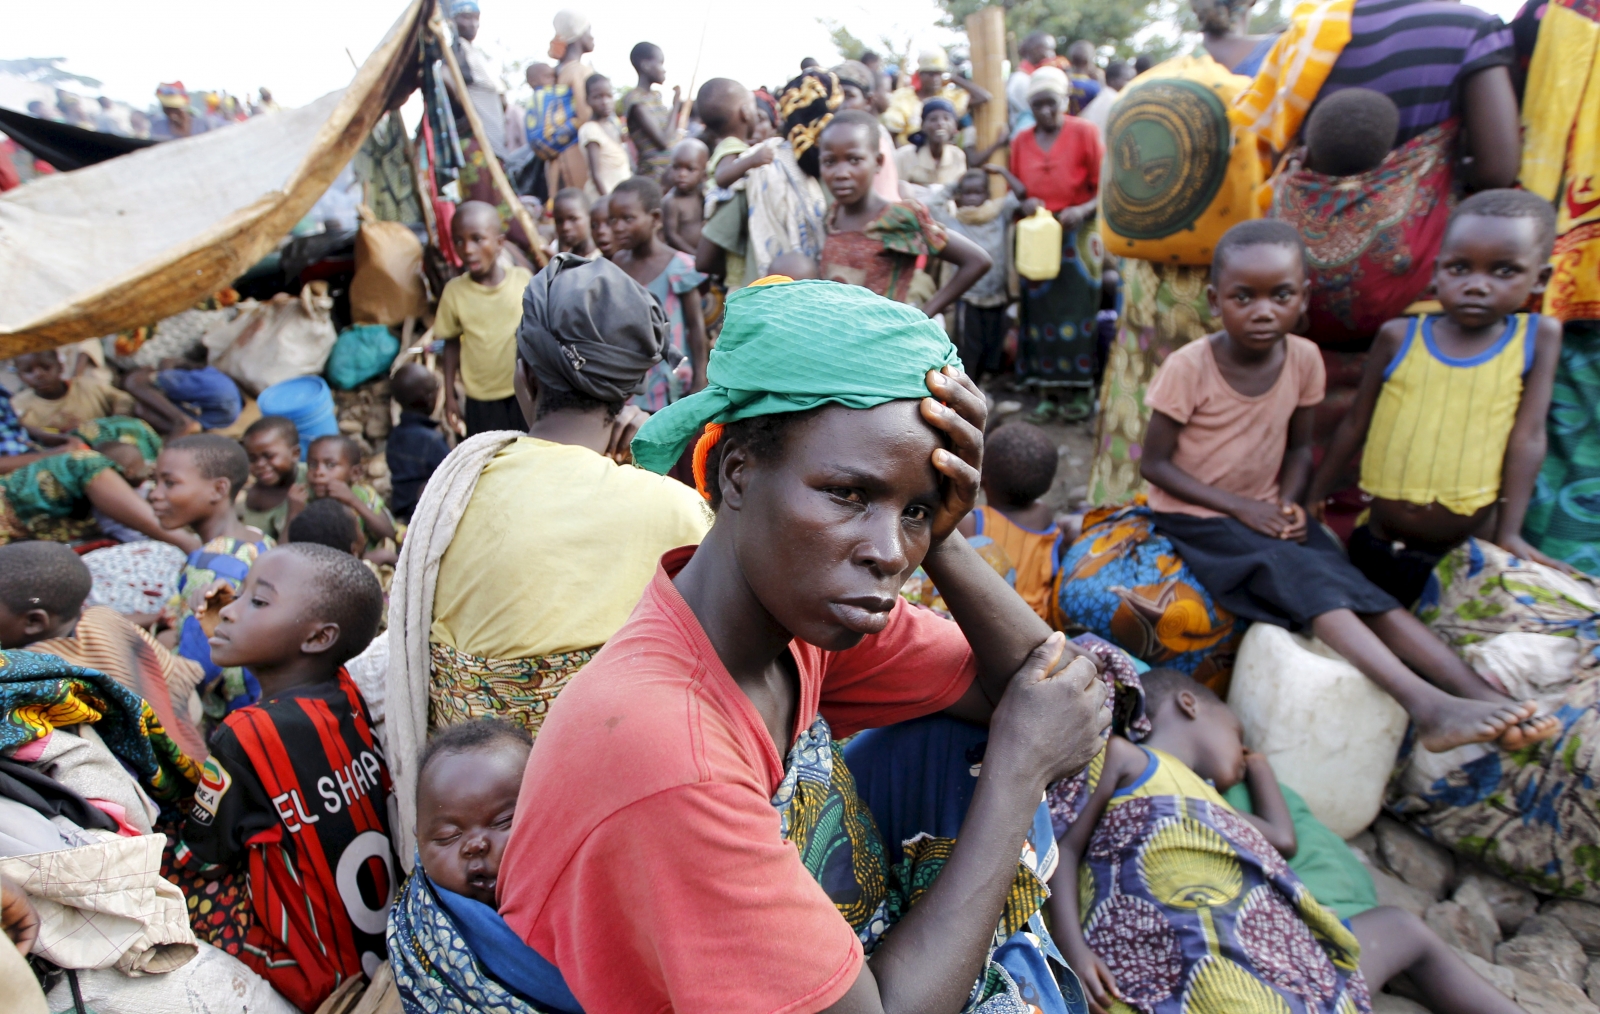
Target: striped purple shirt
(1419, 52)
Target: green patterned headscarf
(792, 346)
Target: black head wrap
(807, 105)
(589, 328)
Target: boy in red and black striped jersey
(295, 793)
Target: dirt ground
(1074, 446)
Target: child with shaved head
(295, 794)
(478, 316)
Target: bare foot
(1457, 721)
(1535, 730)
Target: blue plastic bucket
(305, 401)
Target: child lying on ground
(333, 463)
(1450, 414)
(278, 491)
(415, 447)
(570, 211)
(55, 404)
(1019, 464)
(186, 395)
(56, 497)
(1182, 903)
(1228, 456)
(872, 242)
(683, 211)
(43, 586)
(196, 479)
(294, 794)
(466, 799)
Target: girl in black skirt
(1228, 456)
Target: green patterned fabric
(1564, 514)
(795, 346)
(53, 487)
(124, 430)
(1529, 814)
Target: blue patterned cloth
(451, 953)
(1124, 581)
(14, 437)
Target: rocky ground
(364, 414)
(1543, 953)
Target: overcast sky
(298, 48)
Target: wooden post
(540, 257)
(986, 36)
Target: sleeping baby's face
(465, 802)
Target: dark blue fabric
(1250, 66)
(415, 449)
(14, 437)
(513, 963)
(918, 777)
(208, 394)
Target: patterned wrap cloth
(1561, 150)
(1124, 582)
(1526, 814)
(41, 693)
(124, 430)
(1059, 314)
(47, 500)
(1294, 70)
(1564, 513)
(1163, 309)
(227, 559)
(1194, 912)
(465, 687)
(1370, 238)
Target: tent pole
(540, 257)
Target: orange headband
(702, 448)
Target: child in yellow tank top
(1019, 464)
(1450, 414)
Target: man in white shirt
(1098, 111)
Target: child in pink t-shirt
(1228, 457)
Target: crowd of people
(715, 643)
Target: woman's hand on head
(958, 410)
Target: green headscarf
(791, 346)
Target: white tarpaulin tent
(143, 236)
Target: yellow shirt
(916, 165)
(554, 550)
(485, 319)
(1440, 427)
(87, 398)
(904, 115)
